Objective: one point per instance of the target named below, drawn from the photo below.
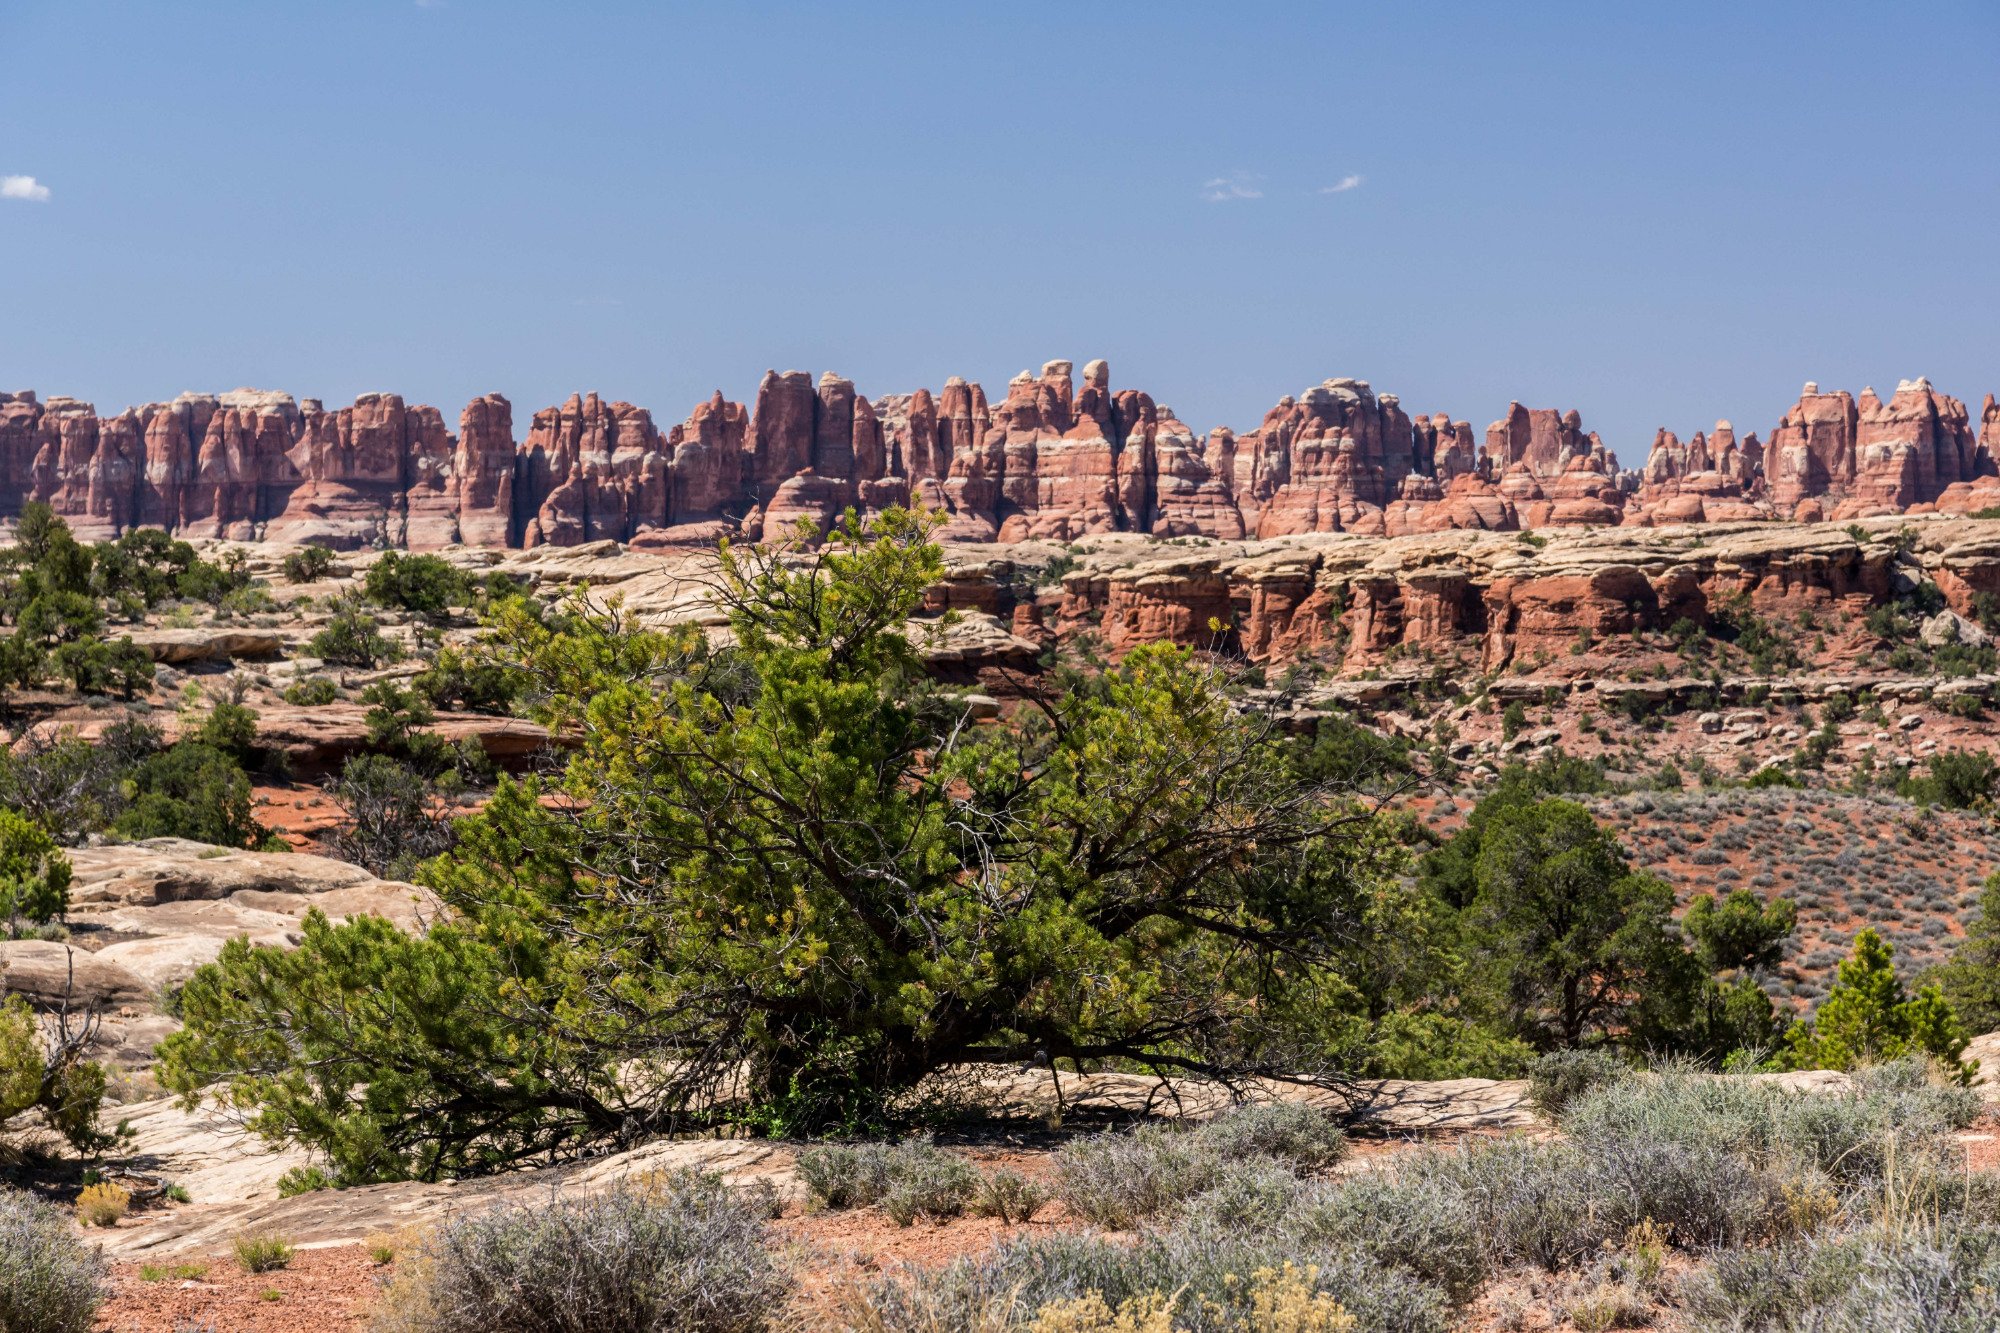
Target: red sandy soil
(301, 814)
(322, 1291)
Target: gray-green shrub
(1943, 1279)
(910, 1180)
(1119, 1180)
(928, 1183)
(50, 1281)
(1208, 1269)
(1301, 1136)
(845, 1175)
(679, 1254)
(1560, 1077)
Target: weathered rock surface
(216, 643)
(1060, 457)
(318, 739)
(143, 916)
(1351, 597)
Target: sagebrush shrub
(910, 1180)
(844, 1175)
(1560, 1077)
(1210, 1281)
(1251, 1193)
(1009, 1196)
(928, 1183)
(50, 1281)
(682, 1254)
(1414, 1217)
(1119, 1180)
(1893, 1109)
(1941, 1279)
(1300, 1136)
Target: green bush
(214, 583)
(262, 1252)
(192, 790)
(426, 584)
(311, 691)
(683, 1254)
(1957, 780)
(34, 873)
(50, 1280)
(351, 637)
(93, 666)
(476, 683)
(308, 564)
(303, 1180)
(52, 1078)
(1867, 1018)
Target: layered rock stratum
(1060, 457)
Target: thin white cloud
(1342, 186)
(1236, 185)
(23, 187)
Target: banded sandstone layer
(1056, 459)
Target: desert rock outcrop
(1061, 456)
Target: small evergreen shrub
(684, 1254)
(50, 1280)
(308, 564)
(311, 691)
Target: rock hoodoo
(1061, 456)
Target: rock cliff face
(1061, 457)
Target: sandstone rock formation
(1061, 457)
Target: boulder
(50, 973)
(1948, 627)
(216, 643)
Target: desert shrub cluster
(679, 1253)
(61, 601)
(1789, 1207)
(51, 1281)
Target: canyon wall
(1059, 458)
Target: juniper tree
(784, 878)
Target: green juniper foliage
(787, 879)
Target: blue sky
(1655, 214)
